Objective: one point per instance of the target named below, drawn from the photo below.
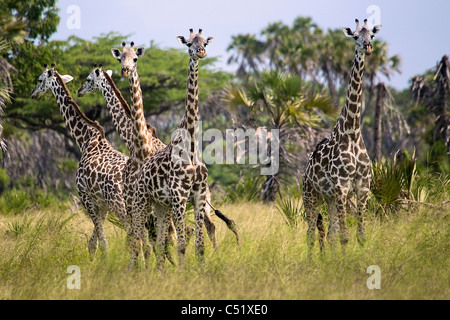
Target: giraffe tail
(230, 223)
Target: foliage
(16, 201)
(247, 189)
(162, 75)
(392, 181)
(291, 209)
(38, 19)
(283, 102)
(272, 263)
(4, 181)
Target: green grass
(411, 249)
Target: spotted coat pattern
(99, 173)
(167, 183)
(340, 166)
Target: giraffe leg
(321, 230)
(179, 218)
(138, 231)
(334, 223)
(341, 219)
(199, 214)
(103, 241)
(94, 213)
(311, 201)
(163, 221)
(363, 195)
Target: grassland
(412, 250)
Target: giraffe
(340, 166)
(173, 176)
(128, 59)
(100, 80)
(99, 173)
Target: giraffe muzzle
(368, 48)
(201, 54)
(80, 93)
(125, 72)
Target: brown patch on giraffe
(353, 107)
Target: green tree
(162, 75)
(248, 54)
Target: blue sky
(417, 30)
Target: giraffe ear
(109, 72)
(182, 40)
(209, 40)
(66, 78)
(116, 53)
(376, 28)
(140, 51)
(348, 32)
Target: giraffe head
(93, 81)
(46, 80)
(196, 44)
(128, 57)
(363, 36)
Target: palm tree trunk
(442, 128)
(377, 136)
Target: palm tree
(275, 34)
(12, 32)
(248, 53)
(335, 56)
(279, 100)
(379, 64)
(442, 79)
(381, 93)
(434, 92)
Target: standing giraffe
(99, 173)
(128, 59)
(100, 80)
(340, 166)
(173, 176)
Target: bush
(291, 209)
(17, 201)
(392, 181)
(4, 181)
(247, 189)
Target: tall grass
(412, 252)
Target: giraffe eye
(372, 36)
(189, 44)
(135, 59)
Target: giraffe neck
(119, 110)
(190, 121)
(80, 127)
(349, 122)
(143, 145)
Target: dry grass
(412, 251)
